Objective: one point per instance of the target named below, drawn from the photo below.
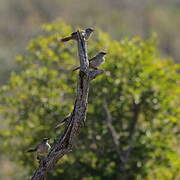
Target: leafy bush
(141, 91)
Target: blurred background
(21, 20)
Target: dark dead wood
(64, 143)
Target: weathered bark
(65, 143)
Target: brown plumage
(86, 34)
(42, 148)
(95, 61)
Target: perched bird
(66, 119)
(95, 61)
(42, 149)
(85, 33)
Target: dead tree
(64, 143)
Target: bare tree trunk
(65, 143)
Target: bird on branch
(85, 33)
(66, 119)
(41, 149)
(95, 61)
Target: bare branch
(113, 132)
(132, 129)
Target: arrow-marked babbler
(85, 33)
(41, 149)
(95, 61)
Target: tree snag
(64, 143)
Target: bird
(95, 61)
(85, 33)
(41, 149)
(66, 119)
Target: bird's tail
(66, 39)
(31, 150)
(76, 68)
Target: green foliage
(137, 86)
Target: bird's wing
(32, 150)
